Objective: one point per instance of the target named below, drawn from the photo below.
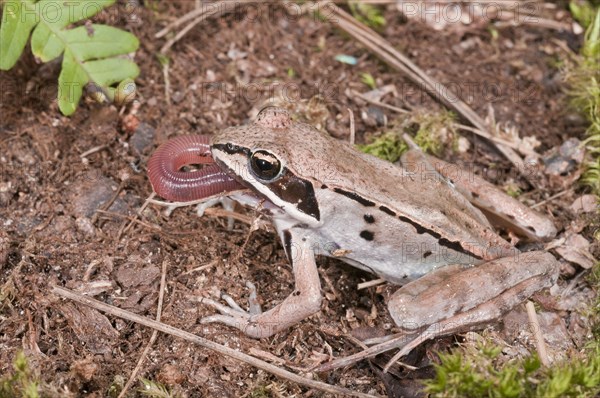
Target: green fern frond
(91, 53)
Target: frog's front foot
(235, 316)
(304, 301)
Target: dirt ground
(65, 216)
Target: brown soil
(52, 232)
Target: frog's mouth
(172, 183)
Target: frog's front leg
(304, 301)
(454, 298)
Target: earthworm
(183, 186)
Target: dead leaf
(85, 368)
(576, 250)
(91, 327)
(585, 204)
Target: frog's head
(261, 156)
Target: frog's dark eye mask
(264, 172)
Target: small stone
(142, 139)
(570, 154)
(85, 226)
(177, 97)
(170, 375)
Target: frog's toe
(232, 315)
(231, 302)
(232, 311)
(227, 203)
(236, 321)
(253, 304)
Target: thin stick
(540, 344)
(477, 131)
(230, 352)
(125, 227)
(93, 150)
(236, 216)
(187, 17)
(214, 10)
(200, 268)
(368, 284)
(190, 203)
(379, 103)
(352, 128)
(165, 70)
(161, 296)
(396, 341)
(495, 139)
(551, 198)
(131, 219)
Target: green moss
(155, 389)
(476, 371)
(369, 80)
(367, 14)
(583, 78)
(260, 392)
(435, 131)
(513, 191)
(388, 146)
(583, 11)
(22, 383)
(115, 387)
(574, 378)
(432, 132)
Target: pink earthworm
(169, 182)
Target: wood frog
(407, 224)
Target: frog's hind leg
(455, 298)
(455, 290)
(501, 209)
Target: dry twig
(161, 295)
(540, 344)
(223, 350)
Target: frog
(407, 223)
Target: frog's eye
(264, 165)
